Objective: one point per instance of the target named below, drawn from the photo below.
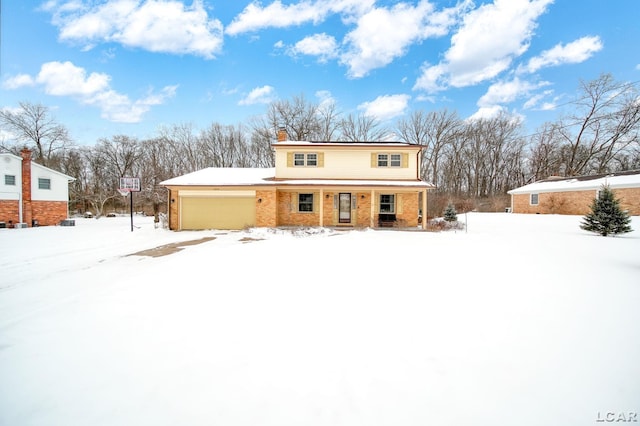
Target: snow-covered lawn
(522, 320)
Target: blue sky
(107, 67)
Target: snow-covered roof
(228, 176)
(342, 144)
(629, 179)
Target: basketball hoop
(129, 185)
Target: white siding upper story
(46, 184)
(346, 161)
(10, 177)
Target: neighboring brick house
(31, 193)
(559, 195)
(312, 184)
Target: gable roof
(36, 166)
(626, 179)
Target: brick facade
(573, 202)
(266, 208)
(9, 212)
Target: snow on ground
(523, 319)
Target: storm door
(344, 208)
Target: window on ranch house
(305, 202)
(534, 199)
(387, 203)
(10, 180)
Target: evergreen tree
(606, 216)
(450, 214)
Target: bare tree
(361, 128)
(433, 131)
(604, 124)
(34, 124)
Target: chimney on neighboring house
(27, 213)
(282, 134)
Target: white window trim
(305, 159)
(531, 199)
(389, 161)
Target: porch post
(373, 209)
(424, 209)
(321, 212)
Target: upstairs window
(386, 159)
(44, 183)
(10, 180)
(305, 160)
(298, 160)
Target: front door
(344, 208)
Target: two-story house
(312, 184)
(31, 194)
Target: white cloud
(259, 95)
(572, 53)
(276, 15)
(488, 40)
(18, 81)
(384, 34)
(507, 91)
(67, 79)
(321, 45)
(158, 26)
(386, 107)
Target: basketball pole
(131, 197)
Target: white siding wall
(343, 163)
(10, 165)
(59, 185)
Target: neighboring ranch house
(312, 184)
(559, 195)
(31, 194)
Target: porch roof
(228, 176)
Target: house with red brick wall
(312, 184)
(31, 194)
(574, 195)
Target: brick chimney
(282, 134)
(27, 213)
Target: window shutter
(405, 160)
(376, 204)
(294, 202)
(316, 202)
(399, 203)
(374, 159)
(289, 159)
(321, 159)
